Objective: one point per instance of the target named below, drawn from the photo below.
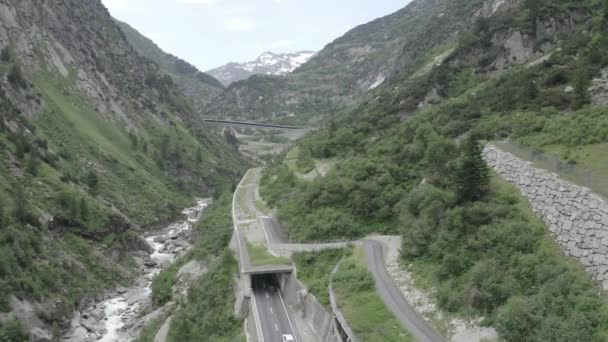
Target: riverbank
(122, 312)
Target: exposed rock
(574, 215)
(599, 88)
(39, 335)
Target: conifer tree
(472, 175)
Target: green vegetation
(12, 331)
(206, 314)
(206, 311)
(260, 256)
(75, 186)
(467, 235)
(364, 309)
(314, 271)
(149, 331)
(198, 86)
(162, 285)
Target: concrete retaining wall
(309, 311)
(576, 217)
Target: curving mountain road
(393, 298)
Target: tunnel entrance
(270, 307)
(264, 282)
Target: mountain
(268, 63)
(347, 70)
(199, 87)
(407, 157)
(98, 144)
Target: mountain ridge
(268, 63)
(98, 145)
(199, 87)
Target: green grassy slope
(198, 86)
(77, 187)
(468, 235)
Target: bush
(206, 314)
(5, 55)
(13, 331)
(15, 77)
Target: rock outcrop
(576, 217)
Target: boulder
(39, 335)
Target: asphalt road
(271, 225)
(393, 298)
(272, 312)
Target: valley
(436, 174)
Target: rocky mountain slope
(408, 160)
(348, 69)
(97, 144)
(268, 63)
(200, 88)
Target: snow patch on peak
(268, 63)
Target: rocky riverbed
(120, 315)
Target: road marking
(258, 325)
(287, 314)
(271, 311)
(267, 295)
(263, 222)
(276, 327)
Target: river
(119, 317)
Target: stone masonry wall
(576, 217)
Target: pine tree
(581, 83)
(3, 220)
(74, 208)
(21, 209)
(472, 175)
(92, 180)
(199, 156)
(532, 90)
(5, 55)
(84, 210)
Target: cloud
(197, 2)
(239, 25)
(281, 44)
(116, 5)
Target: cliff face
(398, 52)
(97, 143)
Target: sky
(211, 33)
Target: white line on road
(287, 314)
(276, 327)
(271, 311)
(258, 325)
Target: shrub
(15, 76)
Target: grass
(322, 166)
(262, 206)
(291, 158)
(241, 202)
(364, 309)
(206, 313)
(260, 256)
(593, 157)
(314, 270)
(590, 162)
(149, 331)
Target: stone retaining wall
(310, 312)
(576, 217)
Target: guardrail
(571, 172)
(345, 332)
